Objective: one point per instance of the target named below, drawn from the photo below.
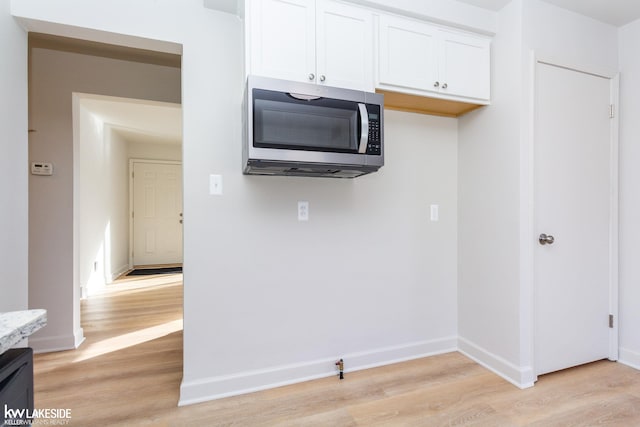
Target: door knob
(546, 239)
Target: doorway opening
(92, 108)
(129, 187)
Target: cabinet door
(283, 39)
(344, 45)
(465, 63)
(408, 52)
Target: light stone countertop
(17, 325)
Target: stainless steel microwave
(302, 129)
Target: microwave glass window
(304, 127)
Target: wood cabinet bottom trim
(425, 105)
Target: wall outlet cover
(303, 211)
(215, 185)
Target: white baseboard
(98, 288)
(78, 337)
(397, 354)
(247, 382)
(51, 344)
(520, 377)
(629, 358)
(118, 272)
(57, 343)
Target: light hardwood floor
(128, 373)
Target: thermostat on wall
(39, 168)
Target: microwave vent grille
(305, 171)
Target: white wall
(268, 299)
(489, 212)
(368, 278)
(103, 202)
(496, 239)
(55, 76)
(117, 261)
(103, 197)
(558, 34)
(154, 151)
(447, 12)
(629, 196)
(14, 166)
(92, 190)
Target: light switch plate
(435, 214)
(215, 185)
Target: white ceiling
(138, 120)
(614, 12)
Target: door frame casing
(132, 163)
(528, 233)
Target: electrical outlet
(215, 185)
(303, 211)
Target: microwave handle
(364, 129)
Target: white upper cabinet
(335, 43)
(429, 60)
(464, 65)
(317, 41)
(282, 35)
(407, 52)
(344, 45)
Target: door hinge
(611, 320)
(133, 174)
(132, 214)
(611, 111)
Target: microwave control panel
(375, 135)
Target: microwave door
(285, 121)
(364, 128)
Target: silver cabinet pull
(546, 239)
(436, 84)
(444, 86)
(322, 78)
(312, 76)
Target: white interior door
(573, 203)
(157, 213)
